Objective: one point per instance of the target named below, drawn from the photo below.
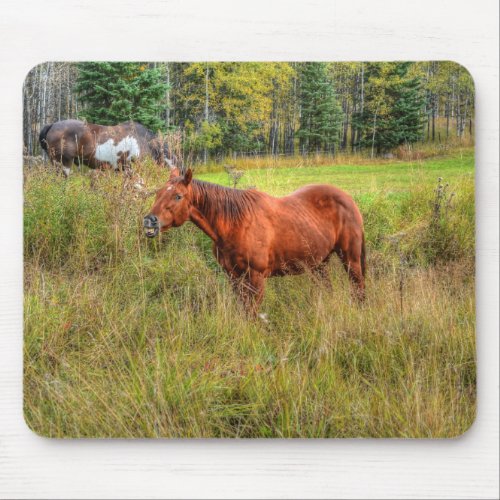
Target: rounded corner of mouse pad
(249, 249)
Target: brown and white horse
(256, 236)
(100, 146)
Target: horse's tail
(363, 255)
(43, 137)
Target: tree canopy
(394, 107)
(321, 116)
(260, 107)
(117, 91)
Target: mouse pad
(249, 249)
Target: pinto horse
(256, 236)
(100, 146)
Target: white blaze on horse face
(109, 152)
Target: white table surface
(35, 31)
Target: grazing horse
(256, 236)
(100, 146)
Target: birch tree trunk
(167, 114)
(47, 97)
(374, 129)
(205, 151)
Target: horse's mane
(216, 201)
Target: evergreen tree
(408, 113)
(320, 115)
(394, 107)
(116, 92)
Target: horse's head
(171, 207)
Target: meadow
(129, 337)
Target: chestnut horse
(256, 236)
(100, 146)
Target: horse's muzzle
(151, 225)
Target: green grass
(393, 177)
(127, 337)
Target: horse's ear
(174, 172)
(188, 176)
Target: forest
(256, 108)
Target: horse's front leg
(250, 289)
(124, 163)
(248, 285)
(255, 284)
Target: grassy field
(127, 337)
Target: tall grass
(127, 337)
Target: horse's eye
(178, 197)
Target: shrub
(445, 231)
(68, 223)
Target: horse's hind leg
(350, 256)
(66, 171)
(65, 165)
